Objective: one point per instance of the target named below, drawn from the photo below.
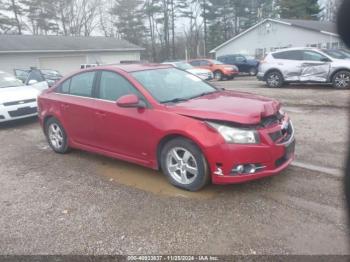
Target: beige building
(63, 53)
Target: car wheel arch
(173, 136)
(337, 71)
(273, 70)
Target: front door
(124, 131)
(315, 67)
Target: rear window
(288, 55)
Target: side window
(114, 86)
(65, 87)
(289, 55)
(81, 85)
(313, 56)
(204, 63)
(240, 59)
(195, 63)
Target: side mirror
(131, 101)
(325, 59)
(32, 82)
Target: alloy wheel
(182, 165)
(274, 80)
(342, 80)
(56, 136)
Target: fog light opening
(247, 169)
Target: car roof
(295, 49)
(134, 67)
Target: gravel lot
(82, 203)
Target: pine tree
(299, 9)
(129, 20)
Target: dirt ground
(82, 203)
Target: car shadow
(25, 122)
(155, 182)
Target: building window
(335, 45)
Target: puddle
(149, 180)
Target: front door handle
(64, 106)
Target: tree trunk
(15, 12)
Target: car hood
(341, 63)
(11, 94)
(237, 107)
(198, 71)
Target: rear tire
(56, 136)
(274, 79)
(184, 164)
(341, 80)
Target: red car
(220, 70)
(165, 118)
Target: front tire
(253, 71)
(218, 75)
(341, 80)
(56, 136)
(184, 164)
(274, 79)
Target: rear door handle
(100, 114)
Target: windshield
(7, 80)
(183, 66)
(172, 85)
(335, 54)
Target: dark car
(38, 75)
(244, 63)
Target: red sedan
(165, 118)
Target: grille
(271, 120)
(283, 135)
(20, 102)
(288, 153)
(23, 111)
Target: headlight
(235, 135)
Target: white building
(270, 35)
(63, 53)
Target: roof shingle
(40, 43)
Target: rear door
(315, 67)
(289, 63)
(77, 107)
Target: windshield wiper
(204, 94)
(175, 100)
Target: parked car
(304, 65)
(337, 53)
(34, 75)
(147, 114)
(220, 70)
(244, 63)
(204, 74)
(16, 100)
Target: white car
(293, 65)
(16, 100)
(204, 74)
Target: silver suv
(294, 65)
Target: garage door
(64, 65)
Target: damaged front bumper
(234, 163)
